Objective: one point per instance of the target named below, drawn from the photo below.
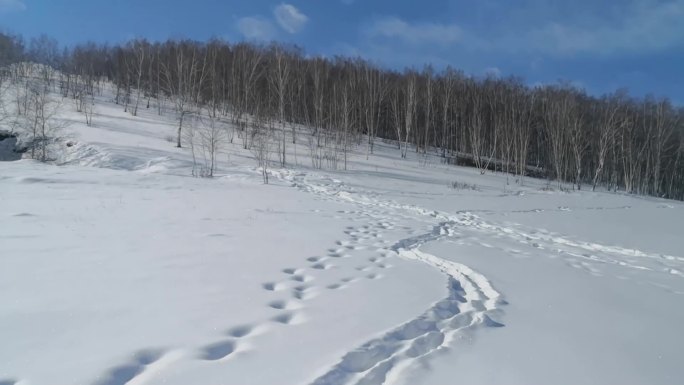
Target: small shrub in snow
(456, 185)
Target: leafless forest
(555, 131)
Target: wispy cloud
(414, 33)
(494, 72)
(643, 26)
(12, 6)
(538, 27)
(256, 28)
(636, 26)
(290, 18)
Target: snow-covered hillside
(117, 267)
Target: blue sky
(598, 45)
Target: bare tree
(247, 70)
(184, 77)
(446, 88)
(42, 122)
(140, 48)
(558, 106)
(606, 122)
(478, 131)
(206, 137)
(261, 145)
(633, 146)
(409, 108)
(87, 102)
(523, 105)
(579, 143)
(428, 75)
(661, 122)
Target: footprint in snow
(218, 350)
(321, 266)
(240, 331)
(270, 286)
(122, 374)
(280, 305)
(288, 318)
(301, 278)
(303, 292)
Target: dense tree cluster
(555, 131)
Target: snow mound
(90, 155)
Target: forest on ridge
(554, 131)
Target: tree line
(554, 131)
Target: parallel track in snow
(471, 300)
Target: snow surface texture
(118, 268)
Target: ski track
(471, 300)
(577, 253)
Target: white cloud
(542, 28)
(416, 33)
(494, 72)
(12, 5)
(256, 28)
(290, 18)
(654, 26)
(638, 26)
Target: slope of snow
(117, 268)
